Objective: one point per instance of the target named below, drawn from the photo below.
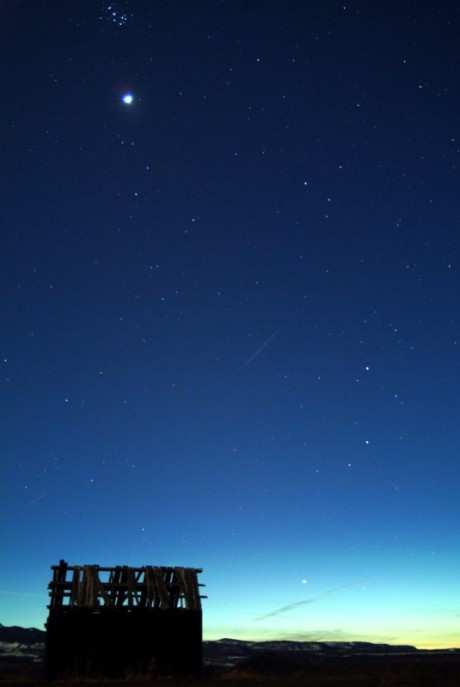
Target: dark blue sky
(230, 310)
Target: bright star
(128, 98)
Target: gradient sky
(230, 323)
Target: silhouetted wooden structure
(117, 621)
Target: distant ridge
(239, 649)
(21, 635)
(309, 645)
(24, 643)
(32, 635)
(322, 662)
(244, 648)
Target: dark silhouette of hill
(238, 648)
(345, 664)
(243, 647)
(21, 635)
(232, 652)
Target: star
(127, 98)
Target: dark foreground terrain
(288, 664)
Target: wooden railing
(94, 586)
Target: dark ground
(364, 671)
(231, 662)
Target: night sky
(230, 287)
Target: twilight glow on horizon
(230, 324)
